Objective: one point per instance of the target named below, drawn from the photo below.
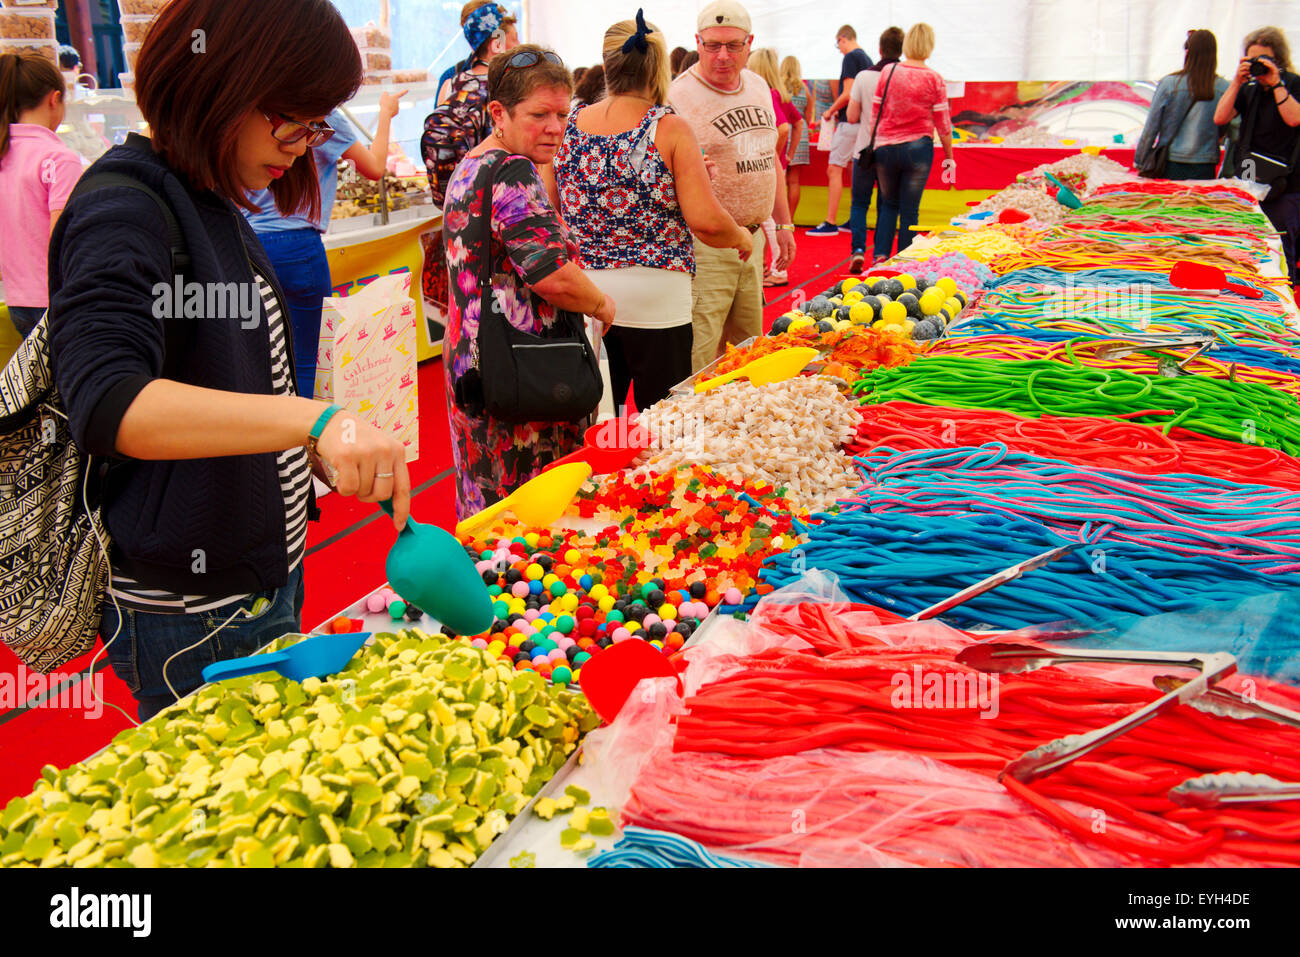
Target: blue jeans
(901, 172)
(298, 256)
(25, 318)
(864, 181)
(147, 640)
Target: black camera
(1257, 65)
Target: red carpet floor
(345, 560)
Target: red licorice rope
(845, 694)
(1136, 226)
(1094, 442)
(1168, 188)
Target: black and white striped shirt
(295, 484)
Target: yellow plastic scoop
(773, 367)
(538, 502)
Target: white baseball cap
(723, 13)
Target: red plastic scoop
(609, 677)
(1194, 275)
(608, 447)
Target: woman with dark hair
(592, 88)
(184, 383)
(498, 211)
(37, 173)
(675, 60)
(1182, 113)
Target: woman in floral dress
(533, 272)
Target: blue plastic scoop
(316, 657)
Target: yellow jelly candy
(848, 284)
(931, 303)
(860, 313)
(893, 312)
(909, 282)
(947, 284)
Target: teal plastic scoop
(430, 569)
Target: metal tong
(1229, 704)
(992, 582)
(1008, 658)
(1233, 788)
(1134, 344)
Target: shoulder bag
(553, 377)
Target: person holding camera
(1264, 92)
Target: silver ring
(383, 475)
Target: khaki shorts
(846, 138)
(727, 299)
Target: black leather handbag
(521, 377)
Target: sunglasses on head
(289, 131)
(530, 58)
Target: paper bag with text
(366, 360)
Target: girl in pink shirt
(915, 102)
(37, 172)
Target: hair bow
(638, 39)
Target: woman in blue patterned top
(631, 182)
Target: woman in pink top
(37, 172)
(915, 101)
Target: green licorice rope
(1244, 412)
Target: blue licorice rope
(1191, 513)
(1046, 275)
(643, 847)
(907, 563)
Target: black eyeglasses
(734, 47)
(529, 58)
(290, 131)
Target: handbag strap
(485, 266)
(884, 94)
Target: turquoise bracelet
(316, 430)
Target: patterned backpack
(53, 543)
(453, 129)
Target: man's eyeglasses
(530, 58)
(289, 131)
(734, 47)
